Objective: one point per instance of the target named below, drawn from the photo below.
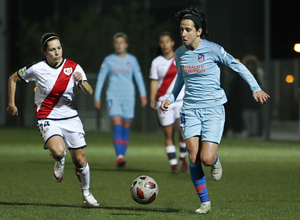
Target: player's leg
(170, 147)
(127, 113)
(197, 174)
(117, 137)
(83, 174)
(74, 138)
(115, 112)
(212, 131)
(191, 129)
(52, 135)
(57, 148)
(182, 150)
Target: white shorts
(71, 130)
(170, 116)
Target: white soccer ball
(144, 190)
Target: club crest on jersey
(200, 57)
(68, 71)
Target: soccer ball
(144, 190)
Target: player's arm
(84, 85)
(153, 93)
(103, 72)
(12, 84)
(140, 82)
(258, 94)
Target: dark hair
(166, 33)
(158, 51)
(121, 34)
(46, 38)
(195, 11)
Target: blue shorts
(205, 122)
(123, 108)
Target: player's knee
(207, 160)
(79, 161)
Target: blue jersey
(121, 72)
(199, 71)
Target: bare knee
(207, 160)
(78, 158)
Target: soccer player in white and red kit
(55, 78)
(163, 75)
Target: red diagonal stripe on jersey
(168, 79)
(57, 91)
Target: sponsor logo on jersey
(22, 72)
(68, 71)
(200, 57)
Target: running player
(58, 121)
(202, 114)
(121, 67)
(163, 75)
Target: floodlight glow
(297, 47)
(289, 79)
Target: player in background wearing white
(202, 114)
(58, 121)
(163, 75)
(121, 68)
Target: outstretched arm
(84, 85)
(12, 84)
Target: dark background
(86, 29)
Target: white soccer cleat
(216, 171)
(90, 200)
(205, 207)
(58, 170)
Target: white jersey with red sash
(164, 70)
(54, 96)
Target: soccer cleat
(121, 162)
(90, 200)
(58, 170)
(205, 207)
(174, 169)
(216, 170)
(183, 167)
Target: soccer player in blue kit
(202, 114)
(121, 67)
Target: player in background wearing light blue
(121, 67)
(202, 114)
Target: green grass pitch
(261, 180)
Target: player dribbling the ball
(202, 114)
(58, 121)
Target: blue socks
(120, 139)
(199, 181)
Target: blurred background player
(121, 68)
(163, 75)
(55, 78)
(203, 115)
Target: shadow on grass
(168, 210)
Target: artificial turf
(261, 180)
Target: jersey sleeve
(27, 73)
(104, 70)
(153, 70)
(138, 77)
(80, 70)
(227, 59)
(178, 83)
